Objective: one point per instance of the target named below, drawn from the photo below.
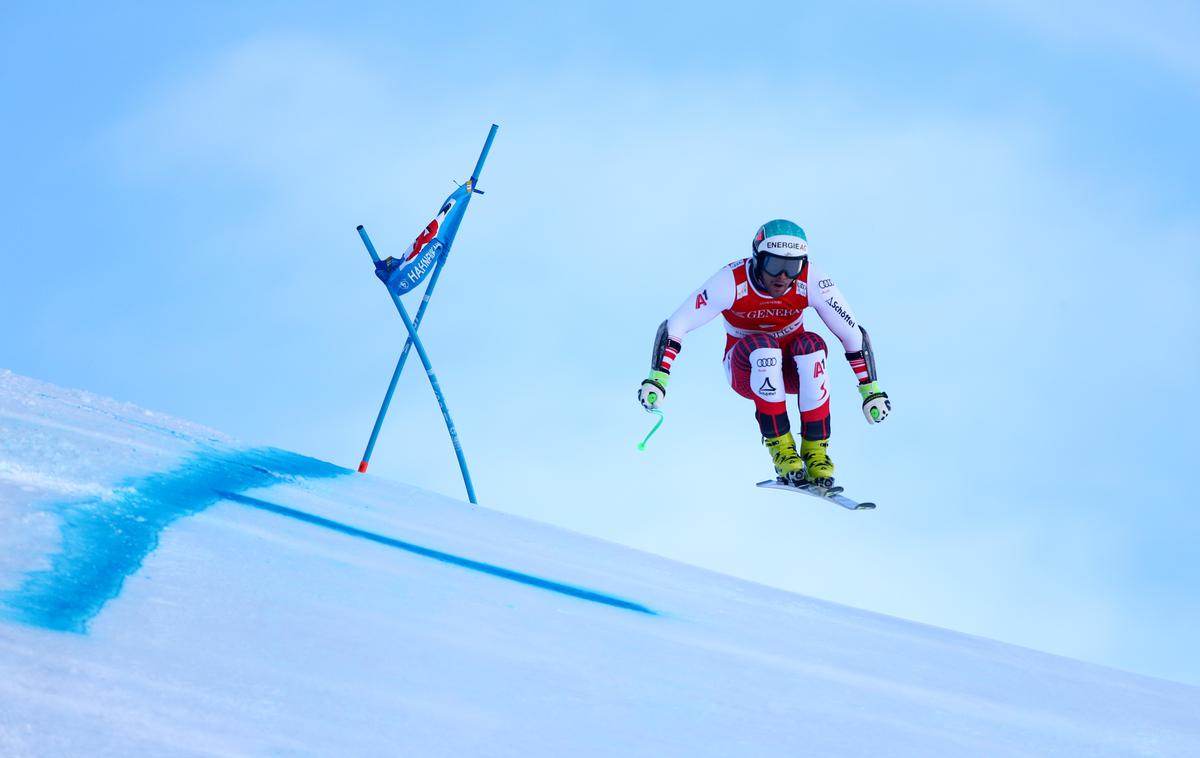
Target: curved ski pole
(656, 412)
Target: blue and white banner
(403, 274)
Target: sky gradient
(1006, 195)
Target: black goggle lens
(774, 265)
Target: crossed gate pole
(411, 325)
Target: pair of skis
(833, 494)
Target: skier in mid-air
(768, 352)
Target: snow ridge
(164, 592)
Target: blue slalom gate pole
(408, 343)
(433, 382)
(483, 154)
(427, 255)
(437, 272)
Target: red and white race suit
(768, 353)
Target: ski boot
(817, 464)
(788, 465)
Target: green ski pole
(656, 412)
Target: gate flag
(403, 274)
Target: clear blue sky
(1006, 194)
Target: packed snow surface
(165, 591)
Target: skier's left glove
(653, 390)
(876, 405)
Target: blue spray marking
(105, 540)
(437, 555)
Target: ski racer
(769, 354)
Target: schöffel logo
(835, 305)
(767, 388)
(766, 362)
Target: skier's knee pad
(808, 343)
(766, 376)
(808, 352)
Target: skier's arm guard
(876, 405)
(654, 389)
(665, 350)
(863, 361)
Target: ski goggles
(774, 265)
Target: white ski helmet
(780, 247)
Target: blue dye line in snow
(105, 540)
(437, 555)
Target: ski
(833, 494)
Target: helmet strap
(756, 274)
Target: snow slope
(164, 591)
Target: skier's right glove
(876, 405)
(653, 390)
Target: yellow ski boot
(816, 461)
(788, 465)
